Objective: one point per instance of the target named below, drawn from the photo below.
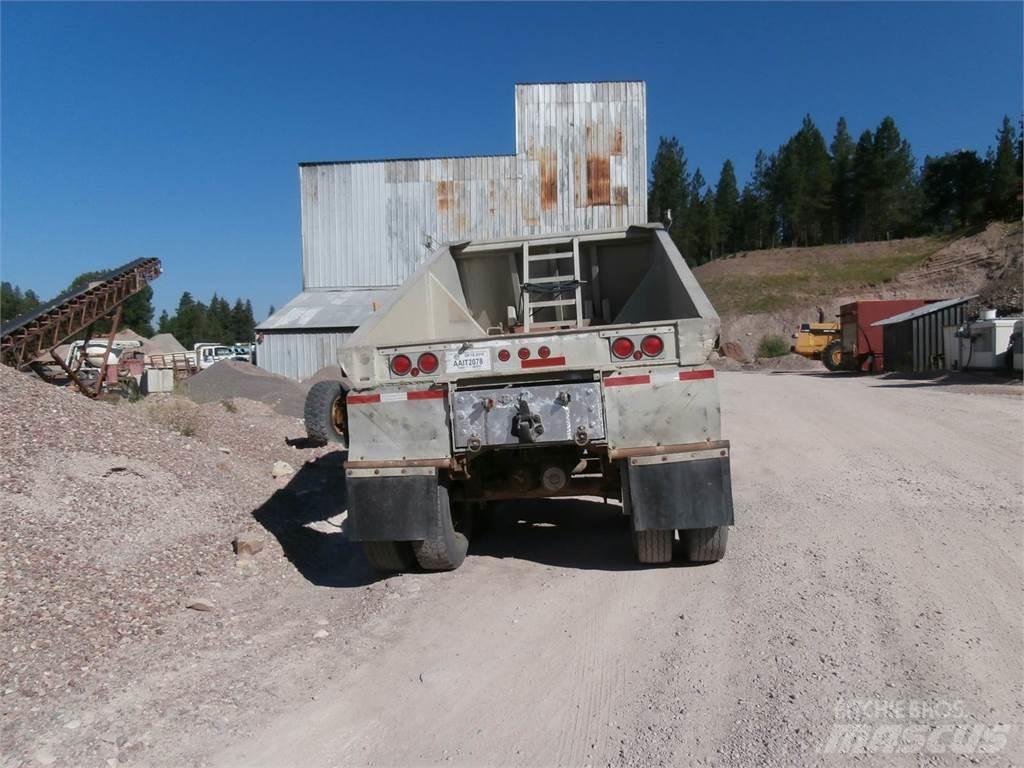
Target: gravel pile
(231, 378)
(164, 344)
(112, 520)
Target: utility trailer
(561, 365)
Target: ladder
(553, 284)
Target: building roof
(927, 309)
(327, 309)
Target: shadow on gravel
(979, 379)
(967, 380)
(569, 533)
(323, 555)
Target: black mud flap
(676, 491)
(391, 508)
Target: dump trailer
(561, 365)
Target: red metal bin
(863, 348)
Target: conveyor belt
(27, 336)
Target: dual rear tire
(444, 550)
(699, 545)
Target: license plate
(468, 361)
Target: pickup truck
(556, 365)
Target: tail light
(622, 347)
(524, 352)
(401, 365)
(652, 346)
(504, 355)
(544, 351)
(427, 362)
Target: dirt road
(877, 558)
(874, 581)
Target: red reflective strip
(360, 399)
(427, 394)
(540, 362)
(618, 381)
(690, 375)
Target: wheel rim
(837, 356)
(338, 415)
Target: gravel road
(874, 578)
(873, 589)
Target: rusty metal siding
(580, 164)
(300, 355)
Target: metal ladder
(554, 284)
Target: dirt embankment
(771, 292)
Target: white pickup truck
(561, 365)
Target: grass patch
(772, 346)
(808, 275)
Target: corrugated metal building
(914, 341)
(580, 164)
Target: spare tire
(325, 413)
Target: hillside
(760, 293)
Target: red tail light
(544, 351)
(524, 353)
(622, 347)
(504, 355)
(400, 365)
(427, 362)
(652, 346)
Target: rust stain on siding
(445, 193)
(548, 179)
(598, 180)
(617, 144)
(620, 195)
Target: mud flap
(681, 490)
(392, 508)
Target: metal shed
(914, 341)
(305, 334)
(580, 164)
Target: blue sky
(175, 130)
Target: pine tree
(864, 184)
(804, 185)
(894, 165)
(1004, 180)
(710, 233)
(690, 237)
(668, 187)
(954, 189)
(727, 208)
(14, 303)
(842, 182)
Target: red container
(862, 342)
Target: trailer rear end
(564, 365)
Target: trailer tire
(446, 548)
(832, 355)
(705, 545)
(389, 556)
(653, 546)
(325, 413)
